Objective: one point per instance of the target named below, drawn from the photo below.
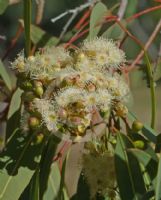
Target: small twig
(74, 13)
(40, 10)
(13, 41)
(143, 13)
(81, 22)
(2, 37)
(122, 9)
(65, 28)
(147, 45)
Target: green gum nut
(139, 144)
(137, 126)
(39, 138)
(27, 85)
(34, 122)
(39, 91)
(38, 84)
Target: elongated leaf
(83, 191)
(41, 38)
(15, 102)
(17, 165)
(34, 188)
(158, 182)
(54, 185)
(3, 5)
(142, 156)
(157, 72)
(158, 144)
(5, 76)
(114, 31)
(46, 162)
(150, 133)
(62, 181)
(129, 176)
(98, 12)
(27, 26)
(131, 7)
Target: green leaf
(47, 159)
(41, 38)
(15, 103)
(17, 165)
(98, 12)
(114, 32)
(142, 156)
(131, 8)
(62, 181)
(129, 176)
(27, 24)
(157, 71)
(158, 182)
(83, 191)
(3, 6)
(5, 76)
(158, 144)
(54, 184)
(150, 133)
(34, 186)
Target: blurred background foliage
(141, 27)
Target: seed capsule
(27, 85)
(81, 129)
(34, 122)
(21, 66)
(80, 56)
(38, 83)
(139, 144)
(137, 126)
(39, 91)
(39, 138)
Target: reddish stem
(61, 151)
(82, 20)
(142, 13)
(13, 41)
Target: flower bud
(81, 129)
(27, 85)
(80, 56)
(31, 58)
(21, 66)
(91, 53)
(34, 122)
(39, 138)
(139, 144)
(121, 110)
(39, 91)
(38, 83)
(137, 126)
(63, 114)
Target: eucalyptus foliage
(69, 93)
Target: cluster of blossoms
(65, 90)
